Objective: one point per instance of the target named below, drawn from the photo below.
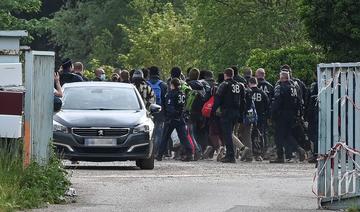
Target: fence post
(39, 82)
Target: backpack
(194, 101)
(157, 90)
(251, 116)
(185, 88)
(207, 108)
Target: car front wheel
(147, 164)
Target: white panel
(10, 126)
(12, 74)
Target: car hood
(100, 118)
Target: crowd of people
(230, 117)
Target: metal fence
(39, 97)
(338, 178)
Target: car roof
(97, 84)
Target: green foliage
(88, 30)
(29, 187)
(11, 10)
(228, 30)
(302, 59)
(334, 25)
(354, 209)
(162, 38)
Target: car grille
(94, 132)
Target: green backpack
(194, 102)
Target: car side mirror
(154, 108)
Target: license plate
(100, 142)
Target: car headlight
(142, 128)
(57, 127)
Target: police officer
(300, 84)
(174, 119)
(313, 119)
(299, 130)
(284, 110)
(262, 103)
(66, 75)
(263, 84)
(230, 98)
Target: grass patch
(354, 209)
(31, 187)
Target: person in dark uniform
(247, 71)
(312, 114)
(174, 119)
(237, 76)
(79, 70)
(66, 75)
(299, 130)
(265, 86)
(262, 105)
(230, 98)
(285, 109)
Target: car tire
(146, 164)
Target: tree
(229, 29)
(86, 29)
(10, 11)
(162, 39)
(302, 59)
(335, 26)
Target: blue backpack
(157, 90)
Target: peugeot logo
(101, 133)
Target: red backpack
(207, 108)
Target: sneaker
(228, 160)
(290, 160)
(207, 152)
(259, 158)
(302, 154)
(278, 160)
(220, 154)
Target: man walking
(160, 89)
(174, 119)
(284, 111)
(230, 98)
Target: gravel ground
(192, 186)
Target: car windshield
(100, 98)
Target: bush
(302, 59)
(31, 187)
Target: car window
(100, 98)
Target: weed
(31, 187)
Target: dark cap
(66, 63)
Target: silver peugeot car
(104, 121)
